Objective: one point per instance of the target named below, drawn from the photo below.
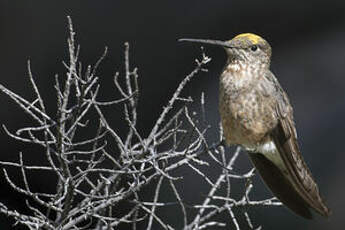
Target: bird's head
(247, 47)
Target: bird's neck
(238, 65)
(235, 76)
(235, 65)
(239, 76)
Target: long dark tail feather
(280, 186)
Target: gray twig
(96, 175)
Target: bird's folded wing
(285, 139)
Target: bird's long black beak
(207, 41)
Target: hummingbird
(256, 114)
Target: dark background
(308, 40)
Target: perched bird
(256, 114)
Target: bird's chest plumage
(245, 108)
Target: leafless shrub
(88, 193)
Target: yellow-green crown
(253, 38)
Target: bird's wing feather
(295, 187)
(285, 138)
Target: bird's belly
(242, 131)
(247, 116)
(246, 124)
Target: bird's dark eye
(254, 48)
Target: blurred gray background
(308, 40)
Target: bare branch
(97, 173)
